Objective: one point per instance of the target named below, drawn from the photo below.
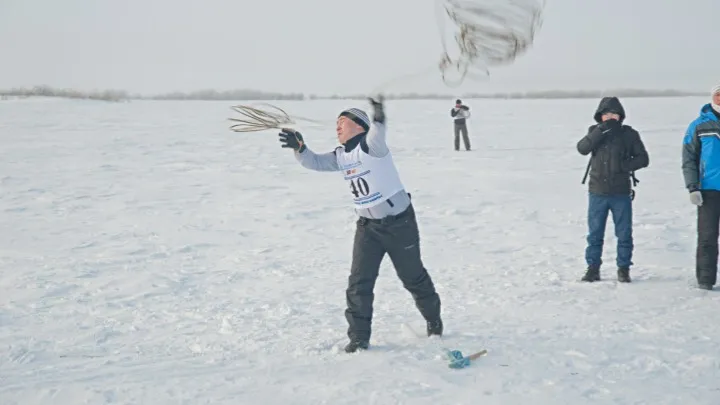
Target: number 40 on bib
(359, 186)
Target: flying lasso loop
(491, 33)
(257, 119)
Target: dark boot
(705, 286)
(592, 274)
(623, 274)
(356, 345)
(435, 328)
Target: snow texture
(149, 255)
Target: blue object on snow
(457, 360)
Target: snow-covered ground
(149, 255)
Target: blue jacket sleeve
(691, 158)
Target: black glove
(378, 109)
(292, 139)
(612, 125)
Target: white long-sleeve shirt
(377, 147)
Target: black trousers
(461, 128)
(399, 238)
(708, 223)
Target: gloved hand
(378, 108)
(610, 124)
(292, 139)
(696, 198)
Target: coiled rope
(490, 33)
(261, 119)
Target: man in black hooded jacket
(617, 152)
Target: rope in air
(261, 119)
(489, 33)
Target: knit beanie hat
(715, 90)
(358, 116)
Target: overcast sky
(343, 46)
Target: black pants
(708, 221)
(462, 128)
(400, 239)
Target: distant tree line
(47, 91)
(242, 94)
(248, 95)
(559, 94)
(547, 94)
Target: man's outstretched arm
(321, 162)
(324, 162)
(376, 138)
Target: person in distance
(460, 114)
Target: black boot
(592, 274)
(435, 328)
(705, 286)
(356, 345)
(623, 275)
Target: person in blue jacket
(701, 172)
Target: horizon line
(259, 95)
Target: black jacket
(617, 151)
(454, 112)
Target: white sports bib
(461, 114)
(372, 180)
